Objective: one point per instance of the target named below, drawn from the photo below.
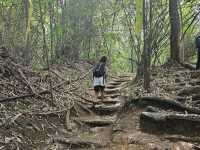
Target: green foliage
(120, 62)
(139, 18)
(91, 28)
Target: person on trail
(197, 42)
(99, 77)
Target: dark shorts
(99, 88)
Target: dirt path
(112, 125)
(94, 125)
(108, 127)
(98, 126)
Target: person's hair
(103, 59)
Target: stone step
(112, 91)
(107, 101)
(114, 83)
(111, 101)
(126, 76)
(112, 95)
(96, 121)
(78, 143)
(173, 123)
(106, 109)
(110, 86)
(122, 80)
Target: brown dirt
(33, 123)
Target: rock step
(77, 143)
(107, 101)
(106, 109)
(114, 83)
(113, 95)
(119, 81)
(96, 121)
(122, 80)
(126, 75)
(111, 101)
(110, 86)
(112, 91)
(184, 124)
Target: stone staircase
(104, 112)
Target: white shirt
(98, 81)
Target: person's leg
(96, 91)
(102, 92)
(102, 87)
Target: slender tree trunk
(132, 63)
(26, 53)
(147, 47)
(45, 49)
(51, 7)
(175, 30)
(89, 47)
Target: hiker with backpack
(197, 42)
(99, 77)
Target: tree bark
(175, 30)
(147, 45)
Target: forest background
(43, 32)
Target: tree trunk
(147, 44)
(51, 17)
(175, 30)
(26, 54)
(45, 48)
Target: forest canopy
(69, 30)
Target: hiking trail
(96, 121)
(145, 123)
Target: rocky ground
(55, 109)
(165, 119)
(168, 116)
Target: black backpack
(99, 70)
(198, 42)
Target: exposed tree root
(164, 104)
(184, 124)
(78, 143)
(188, 66)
